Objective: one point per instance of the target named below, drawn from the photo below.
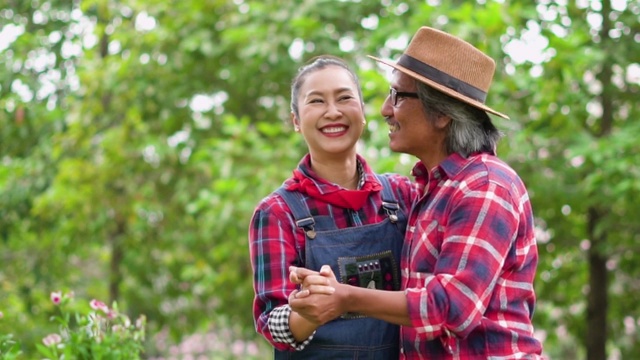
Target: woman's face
(331, 114)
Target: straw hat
(448, 64)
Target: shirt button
(401, 350)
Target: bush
(87, 331)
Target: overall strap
(301, 213)
(389, 201)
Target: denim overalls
(367, 256)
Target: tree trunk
(117, 252)
(597, 299)
(597, 306)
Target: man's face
(410, 131)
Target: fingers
(297, 274)
(325, 270)
(318, 280)
(293, 275)
(319, 289)
(298, 294)
(312, 289)
(301, 294)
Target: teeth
(393, 128)
(333, 129)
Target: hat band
(442, 78)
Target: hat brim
(442, 88)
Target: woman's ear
(295, 122)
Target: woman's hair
(470, 129)
(318, 63)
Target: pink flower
(112, 314)
(51, 339)
(1, 315)
(99, 305)
(117, 329)
(56, 297)
(141, 321)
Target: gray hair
(470, 129)
(318, 63)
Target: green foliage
(9, 348)
(576, 148)
(96, 335)
(138, 136)
(93, 331)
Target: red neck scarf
(332, 193)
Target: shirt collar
(449, 168)
(454, 164)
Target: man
(469, 258)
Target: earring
(296, 128)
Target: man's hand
(313, 282)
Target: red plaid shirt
(469, 263)
(273, 234)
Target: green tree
(138, 136)
(579, 156)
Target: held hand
(298, 274)
(315, 301)
(313, 282)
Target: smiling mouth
(334, 130)
(393, 127)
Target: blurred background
(136, 138)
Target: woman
(334, 210)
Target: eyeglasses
(394, 95)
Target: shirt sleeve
(279, 327)
(481, 226)
(272, 239)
